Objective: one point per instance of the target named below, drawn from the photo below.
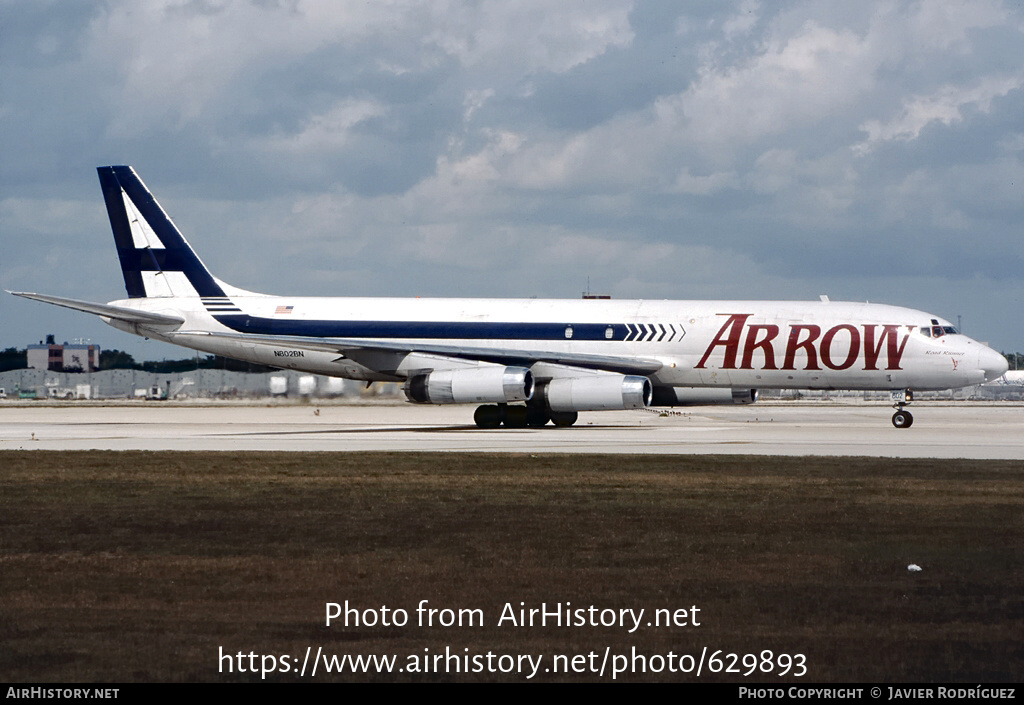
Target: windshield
(937, 331)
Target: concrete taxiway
(941, 430)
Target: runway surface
(941, 430)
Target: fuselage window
(926, 331)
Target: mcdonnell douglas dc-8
(528, 362)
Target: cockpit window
(938, 331)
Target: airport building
(76, 357)
(35, 383)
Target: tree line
(15, 359)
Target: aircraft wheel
(516, 417)
(902, 419)
(564, 418)
(536, 417)
(488, 416)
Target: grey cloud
(731, 150)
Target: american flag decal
(283, 309)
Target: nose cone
(992, 363)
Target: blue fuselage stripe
(458, 330)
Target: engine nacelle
(702, 396)
(598, 393)
(492, 383)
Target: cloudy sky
(868, 151)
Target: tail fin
(156, 261)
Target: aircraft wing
(120, 313)
(524, 358)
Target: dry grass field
(142, 566)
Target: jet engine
(492, 383)
(702, 396)
(597, 393)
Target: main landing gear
(902, 419)
(520, 416)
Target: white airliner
(529, 361)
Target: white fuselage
(739, 344)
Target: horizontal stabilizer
(117, 312)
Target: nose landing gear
(902, 419)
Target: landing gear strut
(902, 419)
